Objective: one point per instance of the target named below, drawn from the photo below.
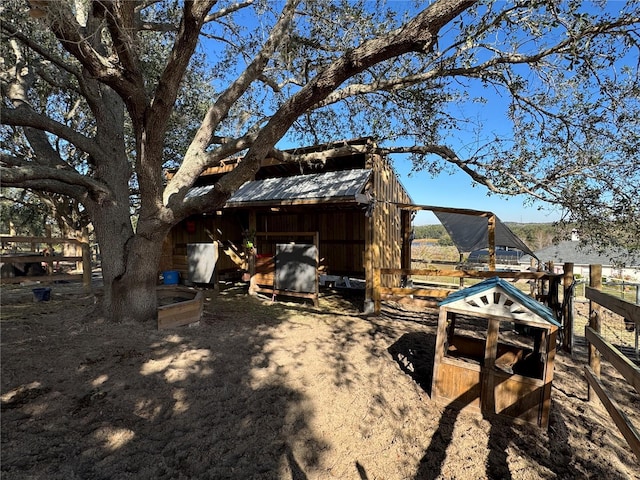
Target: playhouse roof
(312, 188)
(505, 300)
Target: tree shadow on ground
(507, 441)
(128, 401)
(414, 353)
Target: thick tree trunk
(130, 275)
(129, 263)
(133, 294)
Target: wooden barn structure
(344, 198)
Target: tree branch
(169, 82)
(25, 116)
(18, 173)
(478, 71)
(196, 159)
(39, 49)
(418, 35)
(228, 10)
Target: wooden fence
(429, 297)
(598, 347)
(36, 253)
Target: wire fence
(615, 329)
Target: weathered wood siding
(386, 223)
(341, 236)
(174, 253)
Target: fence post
(86, 267)
(595, 281)
(567, 311)
(637, 348)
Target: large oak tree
(98, 98)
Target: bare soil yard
(262, 390)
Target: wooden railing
(36, 255)
(598, 347)
(431, 296)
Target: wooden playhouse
(343, 198)
(495, 349)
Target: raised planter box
(178, 306)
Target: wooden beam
(286, 234)
(621, 363)
(567, 314)
(464, 211)
(595, 281)
(12, 258)
(47, 240)
(626, 309)
(491, 232)
(623, 423)
(467, 273)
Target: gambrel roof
(499, 298)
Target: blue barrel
(171, 277)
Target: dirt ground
(262, 390)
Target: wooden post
(549, 285)
(492, 242)
(405, 259)
(371, 262)
(377, 302)
(86, 267)
(487, 395)
(251, 263)
(595, 281)
(550, 353)
(567, 313)
(440, 351)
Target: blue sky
(456, 190)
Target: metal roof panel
(317, 186)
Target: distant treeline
(534, 235)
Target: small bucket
(42, 294)
(170, 277)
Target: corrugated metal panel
(316, 186)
